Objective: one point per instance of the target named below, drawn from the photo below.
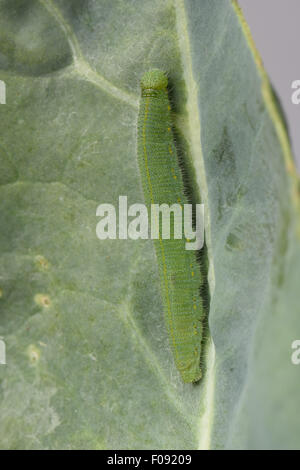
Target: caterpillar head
(154, 79)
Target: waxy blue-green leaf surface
(88, 359)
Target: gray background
(275, 26)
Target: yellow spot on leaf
(42, 300)
(41, 262)
(33, 353)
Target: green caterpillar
(163, 184)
